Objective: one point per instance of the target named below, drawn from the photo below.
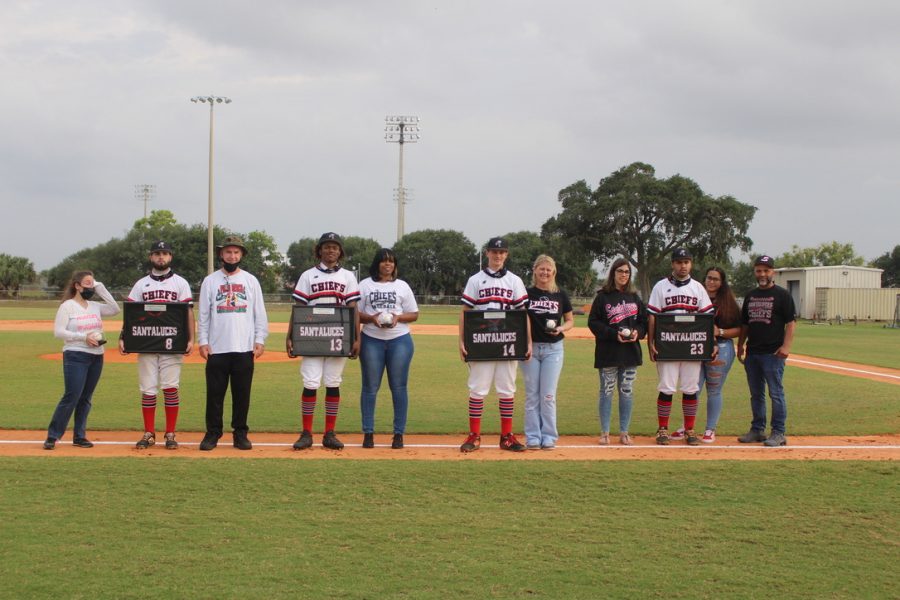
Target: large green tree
(15, 271)
(575, 272)
(823, 255)
(436, 261)
(120, 262)
(634, 214)
(890, 262)
(301, 255)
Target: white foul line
(836, 367)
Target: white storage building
(803, 283)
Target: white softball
(626, 333)
(96, 335)
(551, 324)
(385, 318)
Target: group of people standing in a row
(232, 328)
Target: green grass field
(130, 528)
(181, 527)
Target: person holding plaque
(79, 323)
(231, 333)
(550, 314)
(618, 320)
(677, 294)
(326, 284)
(160, 371)
(386, 308)
(493, 288)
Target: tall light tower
(402, 129)
(144, 192)
(212, 100)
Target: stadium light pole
(212, 100)
(401, 129)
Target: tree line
(631, 213)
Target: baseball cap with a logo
(161, 246)
(681, 254)
(765, 260)
(497, 243)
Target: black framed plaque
(684, 337)
(322, 330)
(155, 327)
(495, 334)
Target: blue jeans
(713, 374)
(375, 356)
(610, 377)
(81, 372)
(541, 375)
(766, 370)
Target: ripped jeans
(713, 374)
(610, 378)
(541, 375)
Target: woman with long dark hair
(79, 324)
(386, 308)
(618, 321)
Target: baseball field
(584, 522)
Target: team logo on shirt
(231, 298)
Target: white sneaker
(678, 434)
(709, 437)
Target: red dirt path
(444, 447)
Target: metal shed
(802, 282)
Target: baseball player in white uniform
(677, 294)
(160, 371)
(325, 284)
(493, 288)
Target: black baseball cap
(681, 254)
(330, 236)
(765, 260)
(497, 243)
(161, 246)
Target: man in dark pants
(767, 326)
(232, 330)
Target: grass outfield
(125, 528)
(819, 403)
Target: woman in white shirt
(79, 324)
(386, 307)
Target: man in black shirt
(767, 327)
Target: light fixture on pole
(212, 100)
(401, 129)
(144, 192)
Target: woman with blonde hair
(550, 313)
(79, 324)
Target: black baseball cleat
(304, 441)
(368, 440)
(472, 443)
(49, 444)
(397, 442)
(82, 443)
(241, 442)
(171, 444)
(509, 442)
(146, 441)
(329, 440)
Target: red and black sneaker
(509, 442)
(472, 443)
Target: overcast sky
(793, 107)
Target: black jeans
(220, 368)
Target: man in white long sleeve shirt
(231, 333)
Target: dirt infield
(443, 447)
(276, 353)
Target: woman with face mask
(79, 324)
